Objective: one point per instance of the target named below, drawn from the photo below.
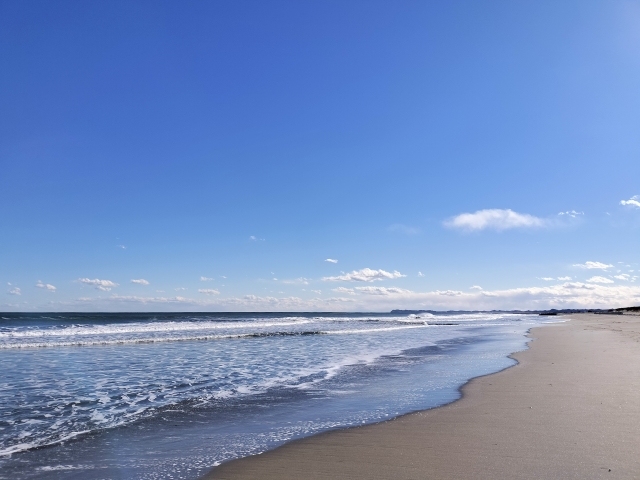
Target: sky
(319, 155)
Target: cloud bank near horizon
(590, 294)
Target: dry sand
(569, 410)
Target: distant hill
(553, 311)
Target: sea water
(172, 395)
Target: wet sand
(569, 410)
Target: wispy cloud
(297, 281)
(331, 260)
(571, 213)
(104, 285)
(140, 281)
(180, 289)
(632, 202)
(495, 219)
(205, 279)
(547, 279)
(209, 291)
(364, 275)
(420, 274)
(598, 279)
(566, 279)
(317, 292)
(122, 247)
(593, 265)
(623, 276)
(382, 290)
(46, 286)
(133, 299)
(476, 287)
(15, 291)
(348, 291)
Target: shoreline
(509, 424)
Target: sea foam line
(133, 341)
(138, 328)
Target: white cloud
(331, 260)
(566, 279)
(598, 279)
(571, 213)
(449, 293)
(15, 291)
(495, 219)
(623, 276)
(205, 279)
(209, 291)
(420, 274)
(547, 279)
(104, 285)
(46, 286)
(121, 246)
(180, 289)
(632, 202)
(593, 265)
(253, 238)
(364, 275)
(382, 290)
(348, 291)
(476, 287)
(400, 228)
(140, 281)
(318, 292)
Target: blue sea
(150, 396)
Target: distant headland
(553, 311)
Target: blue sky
(220, 152)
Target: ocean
(150, 396)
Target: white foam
(132, 341)
(159, 327)
(371, 330)
(114, 387)
(57, 468)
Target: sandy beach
(570, 409)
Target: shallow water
(171, 395)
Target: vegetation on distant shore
(634, 310)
